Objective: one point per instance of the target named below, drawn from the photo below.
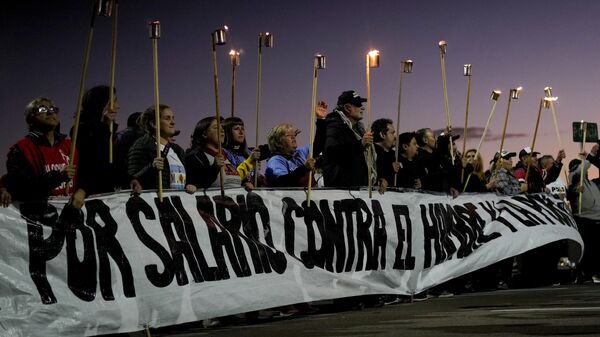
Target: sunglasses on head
(48, 110)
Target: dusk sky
(513, 43)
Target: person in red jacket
(38, 164)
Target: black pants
(590, 232)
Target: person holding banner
(451, 162)
(535, 182)
(237, 152)
(95, 174)
(384, 136)
(427, 143)
(5, 196)
(411, 173)
(503, 181)
(38, 165)
(474, 167)
(289, 165)
(434, 156)
(203, 161)
(345, 162)
(142, 163)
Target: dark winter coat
(344, 163)
(139, 163)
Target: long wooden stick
(258, 93)
(113, 61)
(537, 123)
(398, 121)
(218, 113)
(312, 128)
(584, 127)
(514, 94)
(233, 68)
(157, 114)
(560, 143)
(86, 59)
(505, 125)
(487, 125)
(464, 148)
(446, 104)
(369, 149)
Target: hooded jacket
(590, 200)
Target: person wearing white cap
(504, 182)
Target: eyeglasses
(48, 110)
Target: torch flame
(495, 95)
(373, 52)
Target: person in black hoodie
(344, 161)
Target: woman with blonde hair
(474, 166)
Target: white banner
(123, 263)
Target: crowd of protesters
(345, 151)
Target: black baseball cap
(526, 151)
(351, 97)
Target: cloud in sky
(477, 132)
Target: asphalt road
(572, 310)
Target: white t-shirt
(176, 168)
(229, 181)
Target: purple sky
(529, 43)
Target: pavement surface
(572, 310)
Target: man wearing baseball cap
(503, 179)
(345, 160)
(535, 181)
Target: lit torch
(219, 38)
(318, 63)
(545, 102)
(405, 68)
(494, 97)
(372, 62)
(443, 48)
(234, 55)
(467, 70)
(264, 40)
